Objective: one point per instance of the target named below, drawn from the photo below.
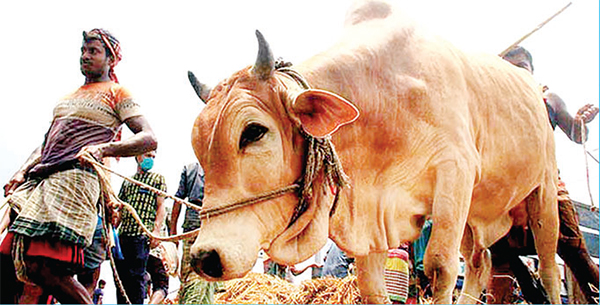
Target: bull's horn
(265, 64)
(202, 90)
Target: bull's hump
(365, 10)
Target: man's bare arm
(161, 214)
(174, 218)
(570, 125)
(142, 141)
(19, 177)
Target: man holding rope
(571, 245)
(54, 197)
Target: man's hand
(97, 151)
(17, 179)
(586, 113)
(115, 217)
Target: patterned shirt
(144, 202)
(92, 114)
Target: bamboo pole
(516, 43)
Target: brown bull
(463, 138)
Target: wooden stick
(534, 30)
(589, 154)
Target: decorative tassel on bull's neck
(320, 157)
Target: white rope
(203, 213)
(593, 208)
(101, 169)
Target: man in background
(193, 289)
(98, 294)
(135, 245)
(337, 263)
(571, 244)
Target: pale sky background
(40, 42)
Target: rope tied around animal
(114, 201)
(320, 155)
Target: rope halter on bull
(320, 156)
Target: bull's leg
(543, 220)
(370, 278)
(451, 202)
(478, 265)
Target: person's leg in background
(131, 269)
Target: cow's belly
(493, 200)
(509, 173)
(497, 198)
(382, 217)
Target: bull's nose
(208, 262)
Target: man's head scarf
(111, 44)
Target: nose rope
(250, 201)
(321, 156)
(114, 201)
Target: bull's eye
(252, 133)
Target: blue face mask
(147, 164)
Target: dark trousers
(571, 248)
(131, 269)
(11, 287)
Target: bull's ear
(322, 113)
(202, 90)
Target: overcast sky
(40, 42)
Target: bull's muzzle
(207, 263)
